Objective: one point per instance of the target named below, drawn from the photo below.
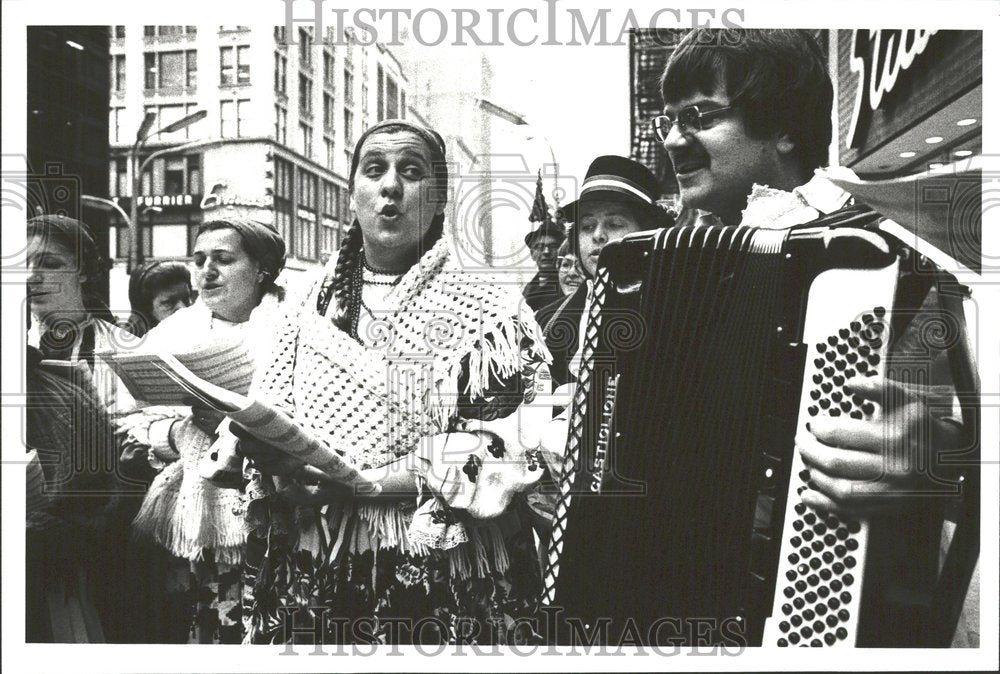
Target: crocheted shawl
(447, 336)
(372, 401)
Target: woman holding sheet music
(77, 509)
(200, 520)
(72, 323)
(419, 373)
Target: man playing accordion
(746, 122)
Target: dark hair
(74, 236)
(145, 283)
(351, 247)
(262, 243)
(777, 78)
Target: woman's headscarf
(262, 243)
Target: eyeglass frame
(563, 259)
(694, 122)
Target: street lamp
(518, 119)
(141, 136)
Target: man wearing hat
(618, 197)
(544, 244)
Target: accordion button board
(821, 565)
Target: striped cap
(614, 178)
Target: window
(169, 31)
(331, 200)
(194, 185)
(329, 74)
(279, 35)
(280, 125)
(329, 113)
(115, 125)
(364, 103)
(168, 114)
(402, 104)
(243, 64)
(305, 139)
(348, 130)
(305, 48)
(233, 29)
(283, 200)
(234, 65)
(123, 240)
(381, 94)
(329, 146)
(232, 118)
(305, 96)
(150, 69)
(174, 176)
(118, 175)
(171, 69)
(305, 221)
(280, 73)
(391, 99)
(348, 87)
(119, 32)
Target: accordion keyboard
(820, 573)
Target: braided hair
(341, 288)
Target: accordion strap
(574, 439)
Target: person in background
(71, 322)
(570, 276)
(199, 522)
(543, 243)
(78, 548)
(618, 197)
(157, 290)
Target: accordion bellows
(684, 421)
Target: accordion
(706, 351)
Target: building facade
(67, 135)
(283, 114)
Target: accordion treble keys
(822, 557)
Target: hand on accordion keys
(858, 468)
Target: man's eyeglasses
(544, 247)
(691, 117)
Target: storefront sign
(878, 57)
(159, 200)
(221, 194)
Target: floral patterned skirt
(386, 596)
(208, 595)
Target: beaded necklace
(358, 281)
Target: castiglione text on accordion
(707, 351)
